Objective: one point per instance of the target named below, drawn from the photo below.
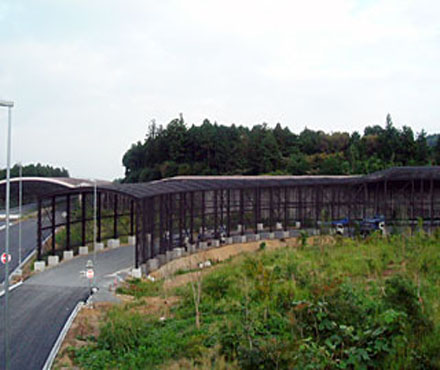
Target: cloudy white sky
(88, 76)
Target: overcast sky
(88, 76)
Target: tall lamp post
(20, 211)
(9, 105)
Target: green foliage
(367, 304)
(37, 170)
(303, 235)
(212, 149)
(141, 288)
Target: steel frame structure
(186, 210)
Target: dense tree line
(36, 170)
(212, 149)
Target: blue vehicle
(370, 225)
(340, 225)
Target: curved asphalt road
(40, 307)
(28, 244)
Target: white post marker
(90, 274)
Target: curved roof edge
(198, 183)
(68, 182)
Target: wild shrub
(141, 288)
(367, 304)
(401, 294)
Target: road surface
(40, 307)
(28, 237)
(29, 243)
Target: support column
(332, 205)
(376, 201)
(349, 202)
(203, 214)
(221, 208)
(228, 212)
(68, 222)
(271, 209)
(364, 206)
(137, 238)
(317, 204)
(39, 238)
(184, 214)
(286, 210)
(99, 217)
(161, 221)
(242, 211)
(215, 215)
(83, 219)
(412, 200)
(431, 207)
(422, 207)
(278, 204)
(53, 225)
(115, 216)
(181, 217)
(191, 219)
(256, 210)
(131, 217)
(152, 227)
(170, 220)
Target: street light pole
(95, 195)
(9, 105)
(20, 202)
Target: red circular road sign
(90, 274)
(3, 258)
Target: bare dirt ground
(216, 255)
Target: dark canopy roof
(198, 183)
(195, 183)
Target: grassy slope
(329, 305)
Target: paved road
(40, 307)
(29, 242)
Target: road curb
(53, 353)
(11, 288)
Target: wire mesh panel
(180, 211)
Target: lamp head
(5, 103)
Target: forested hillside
(212, 149)
(37, 170)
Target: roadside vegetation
(326, 303)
